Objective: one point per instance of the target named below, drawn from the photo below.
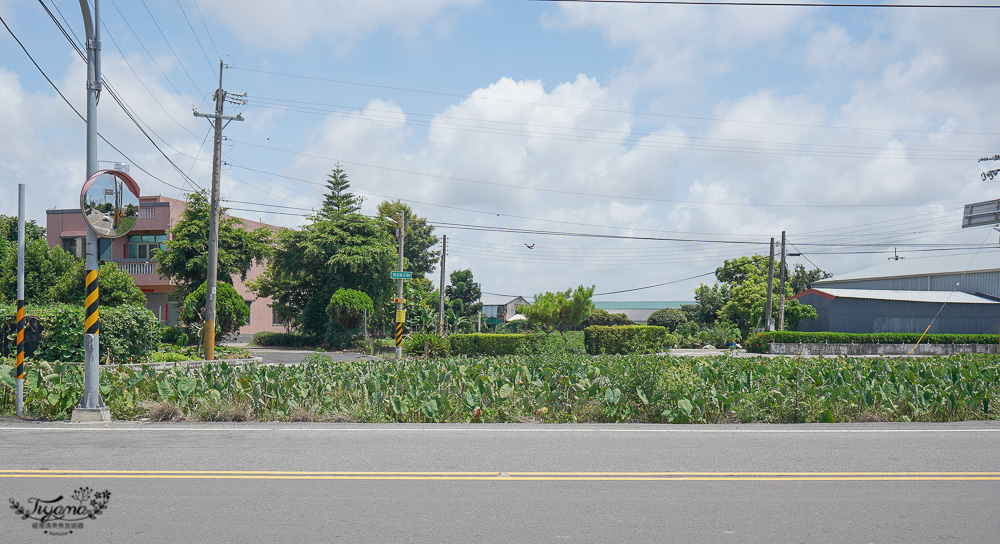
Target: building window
(141, 246)
(104, 249)
(275, 320)
(69, 245)
(249, 302)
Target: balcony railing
(138, 268)
(147, 213)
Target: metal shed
(875, 310)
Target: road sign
(396, 275)
(399, 300)
(981, 214)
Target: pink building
(157, 214)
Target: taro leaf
(642, 396)
(826, 416)
(430, 408)
(397, 404)
(685, 406)
(166, 392)
(612, 396)
(506, 391)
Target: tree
(553, 312)
(601, 317)
(117, 288)
(708, 302)
(801, 279)
(669, 318)
(347, 308)
(418, 237)
(43, 266)
(747, 301)
(231, 311)
(309, 265)
(339, 200)
(185, 261)
(463, 293)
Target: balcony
(132, 269)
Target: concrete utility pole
(91, 407)
(213, 228)
(19, 371)
(444, 252)
(782, 276)
(400, 317)
(769, 322)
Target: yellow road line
(512, 476)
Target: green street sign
(401, 275)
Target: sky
(629, 147)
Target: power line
(195, 34)
(174, 53)
(207, 31)
(781, 4)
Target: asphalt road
(269, 482)
(285, 356)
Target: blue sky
(856, 128)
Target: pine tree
(340, 200)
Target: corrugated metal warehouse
(905, 295)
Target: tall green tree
(309, 265)
(231, 311)
(339, 199)
(463, 293)
(746, 285)
(418, 237)
(185, 261)
(801, 279)
(117, 288)
(563, 311)
(43, 266)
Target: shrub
(628, 339)
(668, 318)
(437, 346)
(128, 333)
(601, 317)
(286, 340)
(494, 344)
(174, 335)
(347, 308)
(231, 311)
(720, 334)
(761, 342)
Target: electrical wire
(780, 4)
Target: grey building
(875, 310)
(953, 294)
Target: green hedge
(286, 339)
(54, 332)
(495, 344)
(618, 340)
(761, 342)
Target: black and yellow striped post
(91, 304)
(399, 334)
(19, 371)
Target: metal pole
(444, 252)
(783, 274)
(769, 322)
(399, 288)
(213, 227)
(91, 407)
(19, 373)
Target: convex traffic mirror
(110, 203)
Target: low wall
(878, 349)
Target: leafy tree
(747, 300)
(418, 237)
(339, 200)
(463, 293)
(231, 311)
(8, 234)
(801, 279)
(117, 288)
(43, 266)
(309, 265)
(708, 302)
(347, 308)
(553, 312)
(668, 318)
(185, 261)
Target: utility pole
(91, 407)
(19, 373)
(768, 321)
(444, 251)
(782, 275)
(400, 313)
(213, 228)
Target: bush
(54, 332)
(668, 318)
(231, 311)
(761, 342)
(628, 339)
(128, 334)
(494, 344)
(286, 340)
(720, 334)
(437, 346)
(174, 335)
(347, 308)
